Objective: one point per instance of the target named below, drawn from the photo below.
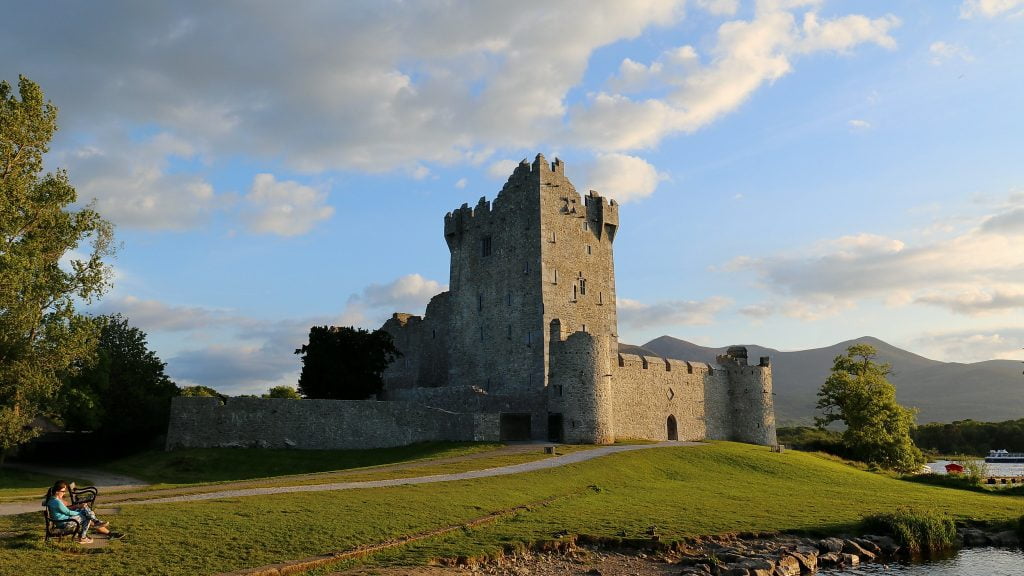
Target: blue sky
(791, 173)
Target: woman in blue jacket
(54, 502)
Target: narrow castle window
(485, 246)
(526, 267)
(586, 226)
(600, 297)
(433, 334)
(574, 293)
(509, 296)
(583, 286)
(554, 276)
(480, 302)
(552, 236)
(584, 328)
(588, 249)
(509, 332)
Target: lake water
(1001, 469)
(967, 562)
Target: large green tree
(51, 256)
(344, 363)
(123, 394)
(877, 426)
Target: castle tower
(538, 253)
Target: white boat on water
(1002, 456)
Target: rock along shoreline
(745, 554)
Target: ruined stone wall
(422, 341)
(649, 389)
(198, 422)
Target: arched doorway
(673, 430)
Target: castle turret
(750, 409)
(581, 377)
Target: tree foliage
(202, 391)
(286, 392)
(877, 427)
(344, 363)
(970, 437)
(123, 394)
(51, 255)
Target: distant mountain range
(990, 391)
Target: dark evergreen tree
(344, 363)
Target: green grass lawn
(683, 491)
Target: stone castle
(524, 345)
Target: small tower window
(509, 298)
(583, 286)
(554, 276)
(485, 246)
(586, 225)
(552, 236)
(588, 249)
(480, 302)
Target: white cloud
(377, 302)
(133, 184)
(622, 178)
(859, 125)
(444, 83)
(502, 169)
(284, 208)
(638, 315)
(990, 8)
(460, 184)
(943, 51)
(978, 270)
(719, 7)
(975, 346)
(747, 55)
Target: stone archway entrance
(673, 429)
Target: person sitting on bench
(59, 511)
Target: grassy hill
(717, 488)
(942, 391)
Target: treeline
(970, 437)
(966, 437)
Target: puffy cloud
(990, 8)
(747, 55)
(719, 7)
(376, 303)
(622, 178)
(943, 51)
(443, 84)
(133, 183)
(638, 315)
(285, 208)
(978, 270)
